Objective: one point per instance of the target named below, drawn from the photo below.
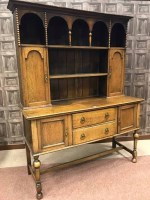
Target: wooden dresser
(71, 67)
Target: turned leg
(113, 142)
(36, 165)
(28, 155)
(135, 137)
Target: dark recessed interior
(80, 33)
(32, 29)
(100, 34)
(77, 61)
(58, 32)
(78, 88)
(118, 36)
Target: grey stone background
(137, 79)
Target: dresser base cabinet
(63, 127)
(71, 66)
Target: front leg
(135, 137)
(28, 158)
(36, 165)
(113, 143)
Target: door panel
(116, 72)
(53, 133)
(127, 118)
(35, 86)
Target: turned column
(135, 137)
(36, 165)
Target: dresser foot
(39, 194)
(135, 137)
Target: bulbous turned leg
(36, 165)
(135, 137)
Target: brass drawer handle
(106, 115)
(82, 120)
(82, 137)
(106, 131)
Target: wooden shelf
(68, 46)
(75, 47)
(77, 75)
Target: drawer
(94, 117)
(83, 135)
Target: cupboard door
(35, 82)
(116, 72)
(54, 133)
(128, 117)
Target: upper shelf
(32, 31)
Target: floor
(14, 158)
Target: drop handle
(82, 137)
(106, 115)
(82, 120)
(46, 78)
(106, 131)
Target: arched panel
(80, 33)
(100, 34)
(116, 71)
(118, 36)
(31, 29)
(35, 77)
(34, 69)
(58, 32)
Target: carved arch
(116, 53)
(40, 52)
(24, 12)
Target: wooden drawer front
(83, 135)
(94, 117)
(127, 117)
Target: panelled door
(53, 133)
(116, 72)
(128, 118)
(34, 71)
